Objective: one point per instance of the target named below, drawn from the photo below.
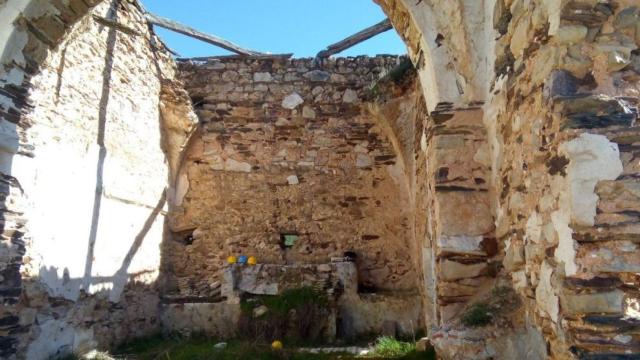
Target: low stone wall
(353, 315)
(217, 320)
(390, 314)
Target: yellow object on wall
(232, 259)
(252, 260)
(276, 345)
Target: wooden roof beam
(191, 32)
(225, 57)
(356, 38)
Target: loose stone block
(595, 111)
(292, 101)
(262, 77)
(452, 270)
(606, 302)
(317, 75)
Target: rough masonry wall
(560, 111)
(400, 108)
(87, 157)
(286, 147)
(564, 157)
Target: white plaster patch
(632, 308)
(56, 338)
(593, 158)
(566, 250)
(15, 76)
(545, 296)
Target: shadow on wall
(55, 288)
(116, 283)
(102, 154)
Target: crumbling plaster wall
(559, 113)
(286, 146)
(449, 43)
(85, 144)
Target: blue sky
(302, 27)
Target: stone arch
(450, 44)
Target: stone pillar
(464, 242)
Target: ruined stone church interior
(479, 195)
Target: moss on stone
(479, 314)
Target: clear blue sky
(302, 27)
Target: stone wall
(559, 114)
(543, 196)
(85, 169)
(289, 147)
(563, 153)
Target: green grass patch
(388, 347)
(291, 299)
(297, 316)
(203, 348)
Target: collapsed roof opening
(240, 31)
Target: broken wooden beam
(191, 32)
(116, 25)
(356, 38)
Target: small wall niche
(184, 236)
(288, 240)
